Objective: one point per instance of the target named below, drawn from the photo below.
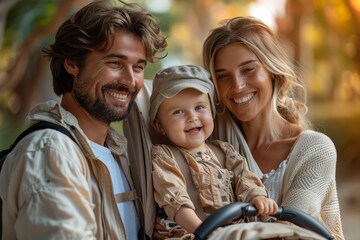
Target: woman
(261, 111)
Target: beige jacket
(53, 188)
(217, 186)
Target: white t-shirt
(127, 210)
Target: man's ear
(158, 127)
(71, 67)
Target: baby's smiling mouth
(194, 129)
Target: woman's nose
(239, 83)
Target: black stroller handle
(241, 210)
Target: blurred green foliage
(323, 37)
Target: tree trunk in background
(25, 77)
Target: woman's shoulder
(310, 138)
(313, 145)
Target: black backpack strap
(37, 126)
(42, 125)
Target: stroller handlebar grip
(303, 220)
(241, 210)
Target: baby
(182, 109)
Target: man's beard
(100, 109)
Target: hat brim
(196, 84)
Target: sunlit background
(322, 36)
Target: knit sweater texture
(309, 183)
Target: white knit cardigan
(309, 183)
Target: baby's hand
(264, 205)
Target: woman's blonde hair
(289, 96)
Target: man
(54, 188)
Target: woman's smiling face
(244, 85)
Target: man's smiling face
(109, 81)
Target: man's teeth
(118, 95)
(245, 99)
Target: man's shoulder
(51, 111)
(43, 151)
(47, 140)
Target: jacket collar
(51, 111)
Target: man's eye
(139, 68)
(114, 63)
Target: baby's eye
(178, 112)
(200, 107)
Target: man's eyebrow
(241, 64)
(124, 57)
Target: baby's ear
(158, 127)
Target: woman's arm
(309, 175)
(309, 183)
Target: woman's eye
(221, 76)
(248, 70)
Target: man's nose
(128, 75)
